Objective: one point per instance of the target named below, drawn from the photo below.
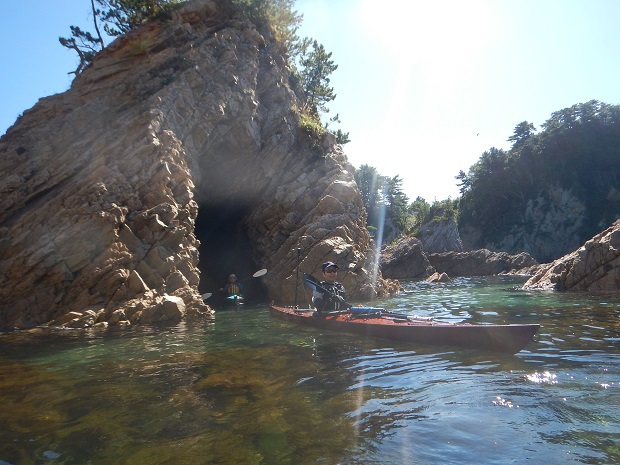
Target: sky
(423, 87)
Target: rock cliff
(441, 236)
(548, 228)
(593, 267)
(102, 185)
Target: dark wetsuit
(330, 302)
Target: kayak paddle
(358, 312)
(258, 274)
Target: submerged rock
(438, 278)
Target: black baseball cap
(326, 265)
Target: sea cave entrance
(226, 248)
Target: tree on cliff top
(310, 63)
(121, 16)
(278, 16)
(118, 17)
(577, 150)
(316, 68)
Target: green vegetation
(275, 16)
(578, 150)
(311, 69)
(117, 17)
(311, 125)
(310, 63)
(384, 200)
(121, 16)
(316, 67)
(386, 204)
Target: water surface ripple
(250, 389)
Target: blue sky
(423, 87)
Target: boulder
(405, 260)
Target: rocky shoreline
(102, 186)
(595, 266)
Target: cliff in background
(101, 185)
(550, 226)
(551, 191)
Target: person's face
(330, 274)
(232, 279)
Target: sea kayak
(367, 321)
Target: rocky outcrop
(101, 185)
(408, 260)
(440, 236)
(405, 260)
(481, 262)
(593, 267)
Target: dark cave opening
(226, 248)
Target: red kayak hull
(497, 338)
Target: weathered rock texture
(478, 262)
(405, 260)
(593, 267)
(441, 236)
(101, 185)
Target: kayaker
(232, 287)
(335, 297)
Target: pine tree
(117, 17)
(317, 66)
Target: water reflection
(249, 389)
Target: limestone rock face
(101, 185)
(595, 266)
(406, 260)
(478, 262)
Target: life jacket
(233, 289)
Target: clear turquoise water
(249, 389)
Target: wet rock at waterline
(593, 267)
(480, 262)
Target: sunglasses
(331, 271)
